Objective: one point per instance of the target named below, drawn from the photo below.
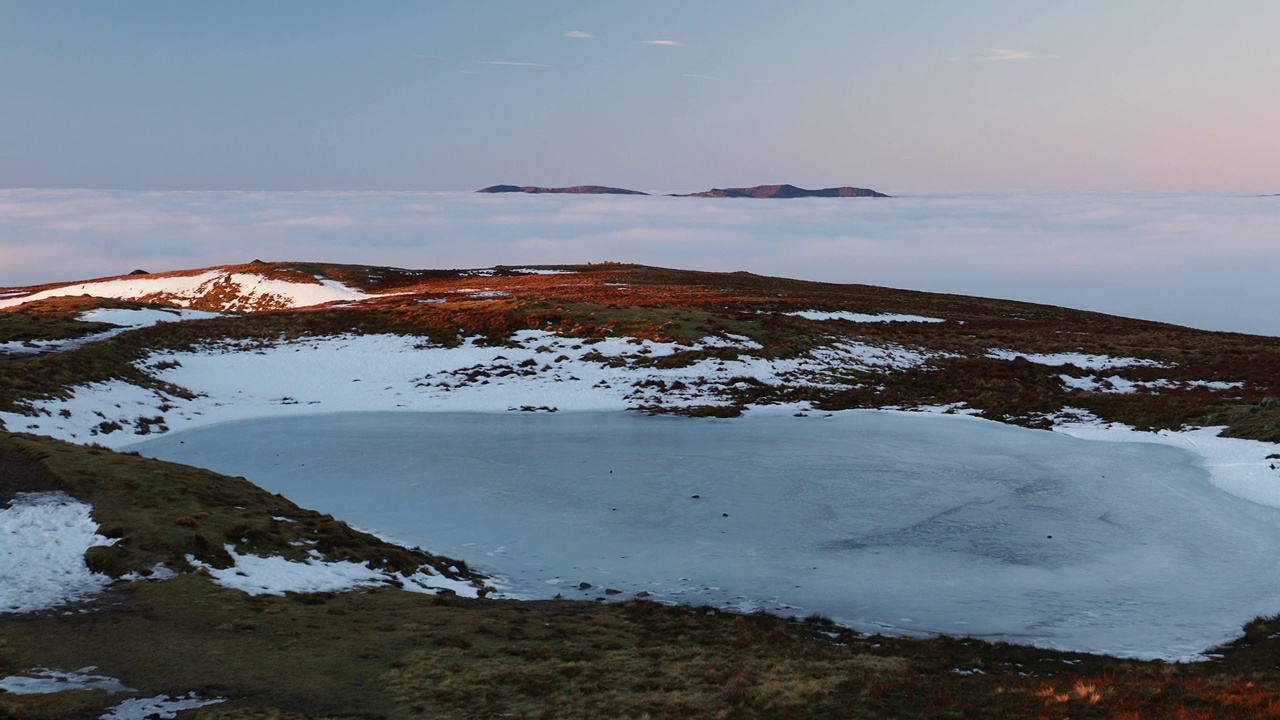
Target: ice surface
(884, 521)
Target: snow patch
(161, 706)
(144, 317)
(862, 317)
(43, 681)
(245, 290)
(1080, 360)
(43, 539)
(275, 575)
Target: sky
(919, 97)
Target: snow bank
(43, 539)
(248, 290)
(862, 318)
(236, 381)
(144, 317)
(275, 575)
(1080, 360)
(1239, 467)
(161, 706)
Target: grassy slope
(390, 653)
(615, 300)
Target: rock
(584, 586)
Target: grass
(162, 512)
(392, 654)
(684, 306)
(638, 302)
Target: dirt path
(19, 473)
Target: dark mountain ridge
(785, 191)
(757, 191)
(574, 190)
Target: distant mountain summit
(575, 190)
(758, 191)
(785, 191)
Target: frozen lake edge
(1129, 570)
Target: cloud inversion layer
(1202, 260)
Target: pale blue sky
(904, 97)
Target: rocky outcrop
(575, 190)
(785, 191)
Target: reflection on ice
(912, 523)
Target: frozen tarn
(184, 289)
(161, 706)
(43, 539)
(43, 681)
(862, 317)
(1080, 360)
(274, 575)
(883, 521)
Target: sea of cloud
(1204, 260)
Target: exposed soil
(21, 474)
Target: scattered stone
(584, 586)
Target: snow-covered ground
(236, 381)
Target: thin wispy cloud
(1002, 55)
(512, 63)
(701, 77)
(578, 34)
(1007, 54)
(669, 43)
